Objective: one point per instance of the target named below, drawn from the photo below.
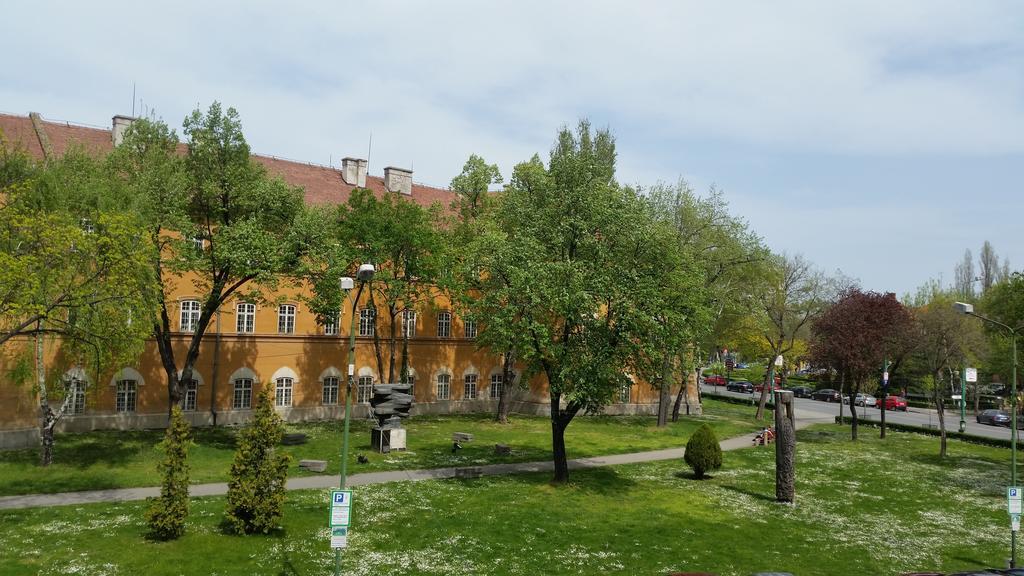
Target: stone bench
(462, 437)
(293, 439)
(469, 472)
(313, 465)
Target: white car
(861, 399)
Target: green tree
(216, 220)
(793, 296)
(167, 514)
(703, 453)
(402, 240)
(72, 269)
(472, 186)
(555, 268)
(472, 207)
(728, 258)
(256, 489)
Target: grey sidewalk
(313, 482)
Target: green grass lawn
(113, 459)
(865, 508)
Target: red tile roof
(322, 184)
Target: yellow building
(250, 346)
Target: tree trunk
(45, 413)
(664, 394)
(558, 445)
(885, 394)
(689, 390)
(376, 335)
(507, 378)
(769, 383)
(785, 453)
(46, 437)
(853, 411)
(842, 388)
(692, 385)
(560, 420)
(942, 415)
(393, 344)
(678, 403)
(403, 373)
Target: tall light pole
(364, 275)
(968, 309)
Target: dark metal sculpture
(391, 403)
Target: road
(827, 411)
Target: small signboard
(971, 374)
(1014, 499)
(341, 517)
(729, 363)
(339, 537)
(778, 360)
(957, 397)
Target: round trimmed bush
(703, 453)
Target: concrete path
(314, 482)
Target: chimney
(398, 180)
(121, 123)
(353, 171)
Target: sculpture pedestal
(384, 440)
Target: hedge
(954, 434)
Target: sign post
(969, 375)
(341, 517)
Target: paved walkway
(325, 481)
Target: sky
(882, 139)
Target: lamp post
(968, 309)
(364, 275)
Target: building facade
(251, 346)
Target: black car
(994, 417)
(826, 395)
(740, 386)
(801, 391)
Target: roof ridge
(108, 130)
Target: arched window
(242, 383)
(331, 386)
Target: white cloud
(436, 81)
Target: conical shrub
(167, 514)
(703, 453)
(256, 489)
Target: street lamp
(968, 309)
(364, 275)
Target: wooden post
(785, 447)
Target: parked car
(862, 399)
(760, 386)
(742, 366)
(801, 391)
(893, 403)
(994, 418)
(715, 380)
(740, 386)
(825, 394)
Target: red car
(893, 403)
(778, 386)
(715, 380)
